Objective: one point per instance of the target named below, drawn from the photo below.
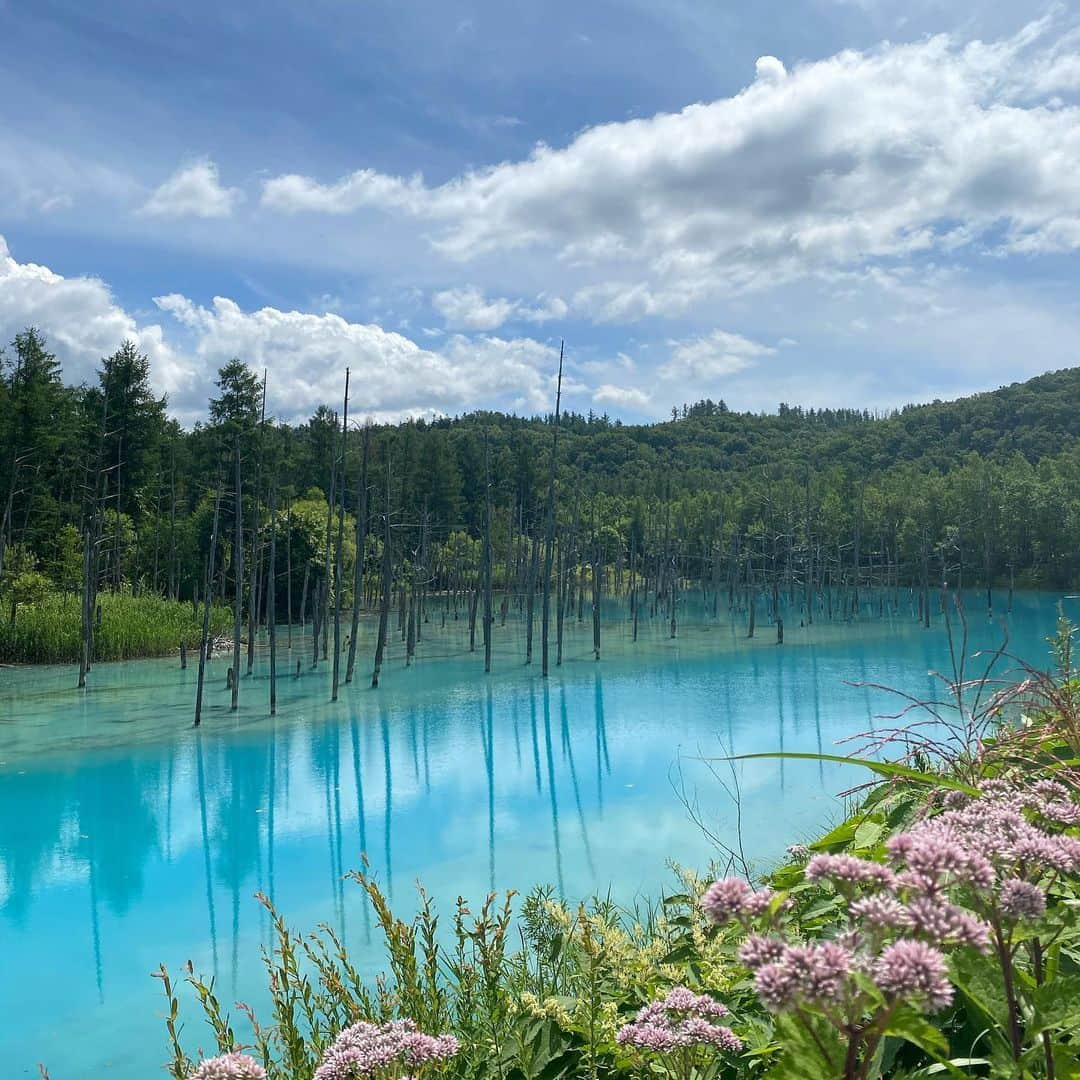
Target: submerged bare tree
(361, 543)
(387, 583)
(549, 531)
(338, 590)
(204, 642)
(238, 576)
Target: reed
(47, 631)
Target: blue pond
(128, 839)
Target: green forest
(817, 512)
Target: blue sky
(831, 202)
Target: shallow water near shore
(128, 839)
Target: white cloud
(621, 396)
(296, 194)
(932, 145)
(306, 356)
(45, 178)
(82, 322)
(469, 308)
(712, 356)
(193, 191)
(770, 69)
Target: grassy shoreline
(47, 631)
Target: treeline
(825, 511)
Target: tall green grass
(48, 630)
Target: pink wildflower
(815, 973)
(233, 1066)
(758, 950)
(913, 969)
(848, 870)
(881, 912)
(732, 898)
(942, 923)
(365, 1048)
(680, 1019)
(1022, 900)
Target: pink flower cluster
(367, 1049)
(682, 1019)
(233, 1066)
(914, 970)
(991, 845)
(848, 870)
(732, 899)
(989, 851)
(1054, 802)
(817, 973)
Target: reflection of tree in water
(118, 827)
(28, 840)
(325, 749)
(240, 774)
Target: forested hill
(1036, 418)
(986, 487)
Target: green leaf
(1057, 1005)
(868, 833)
(978, 978)
(680, 954)
(802, 1056)
(677, 900)
(882, 768)
(913, 1027)
(953, 1066)
(1066, 1064)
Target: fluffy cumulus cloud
(469, 308)
(621, 397)
(82, 322)
(936, 145)
(700, 359)
(306, 356)
(296, 194)
(193, 191)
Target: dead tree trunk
(387, 584)
(340, 544)
(256, 544)
(509, 565)
(204, 642)
(238, 575)
(358, 569)
(530, 597)
(173, 583)
(549, 532)
(486, 555)
(304, 598)
(288, 573)
(271, 598)
(596, 571)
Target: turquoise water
(128, 839)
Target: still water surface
(128, 839)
